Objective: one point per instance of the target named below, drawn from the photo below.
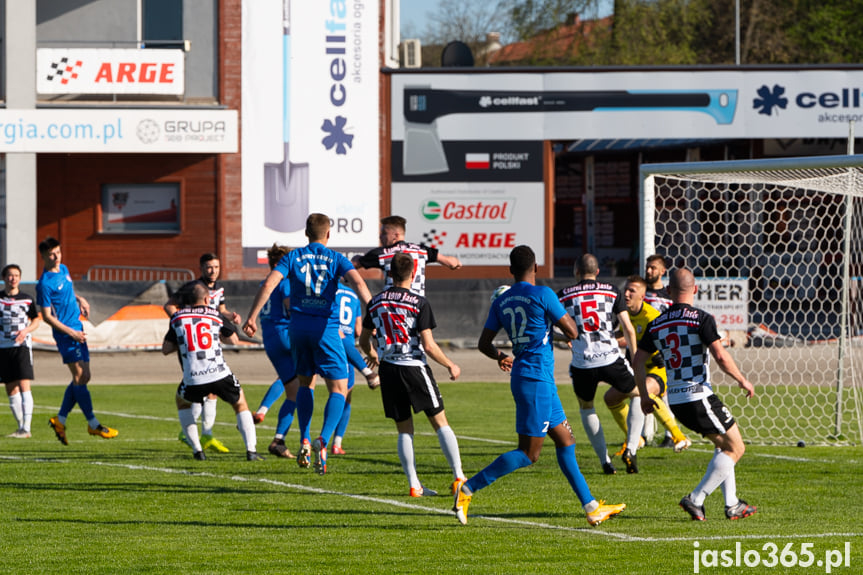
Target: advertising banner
(310, 122)
(119, 131)
(727, 299)
(106, 71)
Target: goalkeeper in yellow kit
(641, 314)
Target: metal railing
(137, 273)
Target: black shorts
(228, 388)
(585, 380)
(16, 363)
(408, 386)
(706, 417)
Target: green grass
(140, 504)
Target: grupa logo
(431, 210)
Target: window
(141, 208)
(162, 23)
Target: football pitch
(140, 504)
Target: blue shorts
(537, 407)
(319, 351)
(281, 358)
(348, 340)
(70, 350)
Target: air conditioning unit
(410, 54)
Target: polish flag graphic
(477, 161)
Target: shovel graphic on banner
(286, 185)
(424, 154)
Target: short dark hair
(207, 257)
(48, 244)
(276, 253)
(521, 260)
(587, 264)
(394, 222)
(317, 226)
(197, 292)
(659, 258)
(11, 267)
(401, 267)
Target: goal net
(787, 236)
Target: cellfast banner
(104, 71)
(310, 122)
(119, 131)
(448, 131)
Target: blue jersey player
(316, 346)
(62, 309)
(527, 312)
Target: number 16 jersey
(196, 331)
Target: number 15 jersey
(399, 315)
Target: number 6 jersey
(196, 331)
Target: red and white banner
(104, 71)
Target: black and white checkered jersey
(658, 298)
(196, 332)
(683, 335)
(399, 315)
(16, 313)
(594, 305)
(382, 257)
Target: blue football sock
(355, 358)
(503, 465)
(305, 408)
(332, 415)
(286, 417)
(568, 464)
(68, 401)
(274, 392)
(85, 402)
(343, 422)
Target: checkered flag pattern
(420, 256)
(394, 314)
(64, 70)
(434, 238)
(15, 315)
(591, 305)
(686, 356)
(197, 331)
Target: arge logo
(64, 70)
(770, 99)
(434, 238)
(431, 210)
(148, 131)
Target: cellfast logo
(512, 101)
(773, 99)
(335, 46)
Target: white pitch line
(415, 507)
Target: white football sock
(449, 445)
(190, 428)
(27, 407)
(15, 404)
(634, 423)
(406, 456)
(208, 416)
(246, 425)
(717, 471)
(593, 428)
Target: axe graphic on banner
(286, 185)
(424, 154)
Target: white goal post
(789, 233)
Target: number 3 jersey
(399, 315)
(196, 332)
(594, 306)
(683, 334)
